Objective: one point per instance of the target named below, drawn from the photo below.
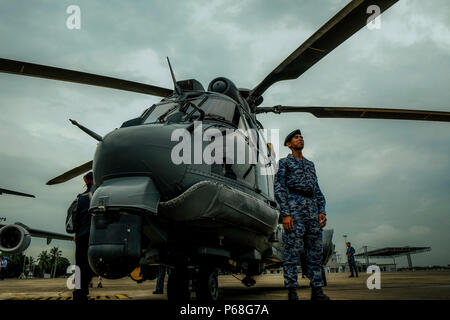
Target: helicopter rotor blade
(362, 113)
(339, 28)
(47, 72)
(16, 193)
(75, 172)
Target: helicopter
(196, 218)
(16, 237)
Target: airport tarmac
(411, 285)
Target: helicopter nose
(133, 171)
(143, 150)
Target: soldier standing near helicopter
(82, 239)
(303, 211)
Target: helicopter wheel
(207, 284)
(178, 284)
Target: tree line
(48, 262)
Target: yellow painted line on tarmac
(112, 297)
(57, 298)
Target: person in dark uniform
(351, 260)
(100, 284)
(82, 240)
(160, 280)
(3, 265)
(302, 207)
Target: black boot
(317, 294)
(80, 296)
(292, 294)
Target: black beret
(291, 135)
(89, 176)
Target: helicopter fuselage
(226, 207)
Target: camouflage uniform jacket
(296, 174)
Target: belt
(303, 193)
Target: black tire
(178, 285)
(207, 284)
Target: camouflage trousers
(305, 240)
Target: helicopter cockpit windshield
(161, 110)
(222, 110)
(170, 111)
(214, 108)
(219, 109)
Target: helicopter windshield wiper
(219, 118)
(197, 108)
(215, 117)
(161, 117)
(202, 114)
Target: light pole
(345, 246)
(345, 242)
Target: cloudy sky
(387, 182)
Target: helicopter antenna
(177, 88)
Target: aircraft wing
(42, 233)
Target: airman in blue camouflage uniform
(303, 211)
(351, 260)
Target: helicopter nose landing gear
(178, 285)
(202, 280)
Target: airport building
(363, 259)
(337, 264)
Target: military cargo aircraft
(16, 237)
